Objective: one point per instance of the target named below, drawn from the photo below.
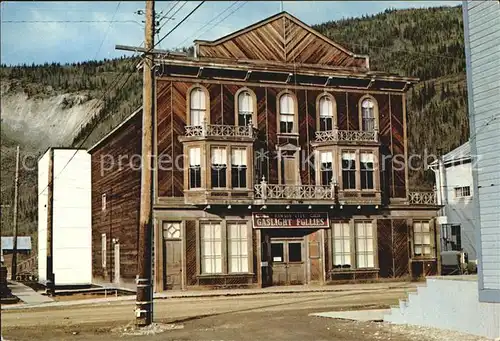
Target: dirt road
(257, 317)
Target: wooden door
(266, 260)
(288, 266)
(116, 257)
(172, 264)
(290, 171)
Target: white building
(71, 217)
(471, 304)
(455, 192)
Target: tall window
(348, 170)
(287, 113)
(368, 115)
(326, 168)
(365, 257)
(219, 167)
(245, 108)
(325, 113)
(238, 167)
(341, 245)
(197, 110)
(366, 165)
(238, 247)
(422, 238)
(211, 248)
(194, 167)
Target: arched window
(325, 108)
(368, 115)
(287, 113)
(197, 107)
(245, 108)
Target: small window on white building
(462, 192)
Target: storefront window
(211, 248)
(341, 245)
(365, 256)
(237, 247)
(422, 238)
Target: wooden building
(281, 159)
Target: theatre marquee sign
(290, 220)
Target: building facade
(281, 159)
(64, 217)
(482, 50)
(455, 193)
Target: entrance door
(172, 264)
(117, 263)
(288, 267)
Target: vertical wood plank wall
(122, 189)
(172, 111)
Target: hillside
(55, 104)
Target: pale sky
(39, 36)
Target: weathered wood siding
(121, 184)
(482, 34)
(281, 39)
(172, 111)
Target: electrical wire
(107, 31)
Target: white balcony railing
(267, 191)
(220, 130)
(422, 198)
(336, 135)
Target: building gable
(281, 38)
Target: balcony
(347, 136)
(312, 194)
(218, 196)
(422, 198)
(219, 132)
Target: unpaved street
(257, 317)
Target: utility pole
(14, 242)
(144, 301)
(50, 200)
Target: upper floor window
(245, 108)
(197, 107)
(326, 168)
(195, 167)
(368, 114)
(219, 167)
(366, 163)
(349, 170)
(462, 192)
(286, 113)
(238, 167)
(326, 112)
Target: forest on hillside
(423, 43)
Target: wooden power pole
(50, 220)
(14, 242)
(144, 301)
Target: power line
(67, 21)
(208, 23)
(107, 31)
(104, 95)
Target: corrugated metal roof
(461, 153)
(23, 243)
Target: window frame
(356, 170)
(372, 171)
(358, 151)
(187, 166)
(318, 111)
(237, 105)
(461, 190)
(353, 245)
(188, 103)
(375, 112)
(432, 239)
(247, 168)
(201, 257)
(365, 253)
(224, 247)
(295, 113)
(227, 171)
